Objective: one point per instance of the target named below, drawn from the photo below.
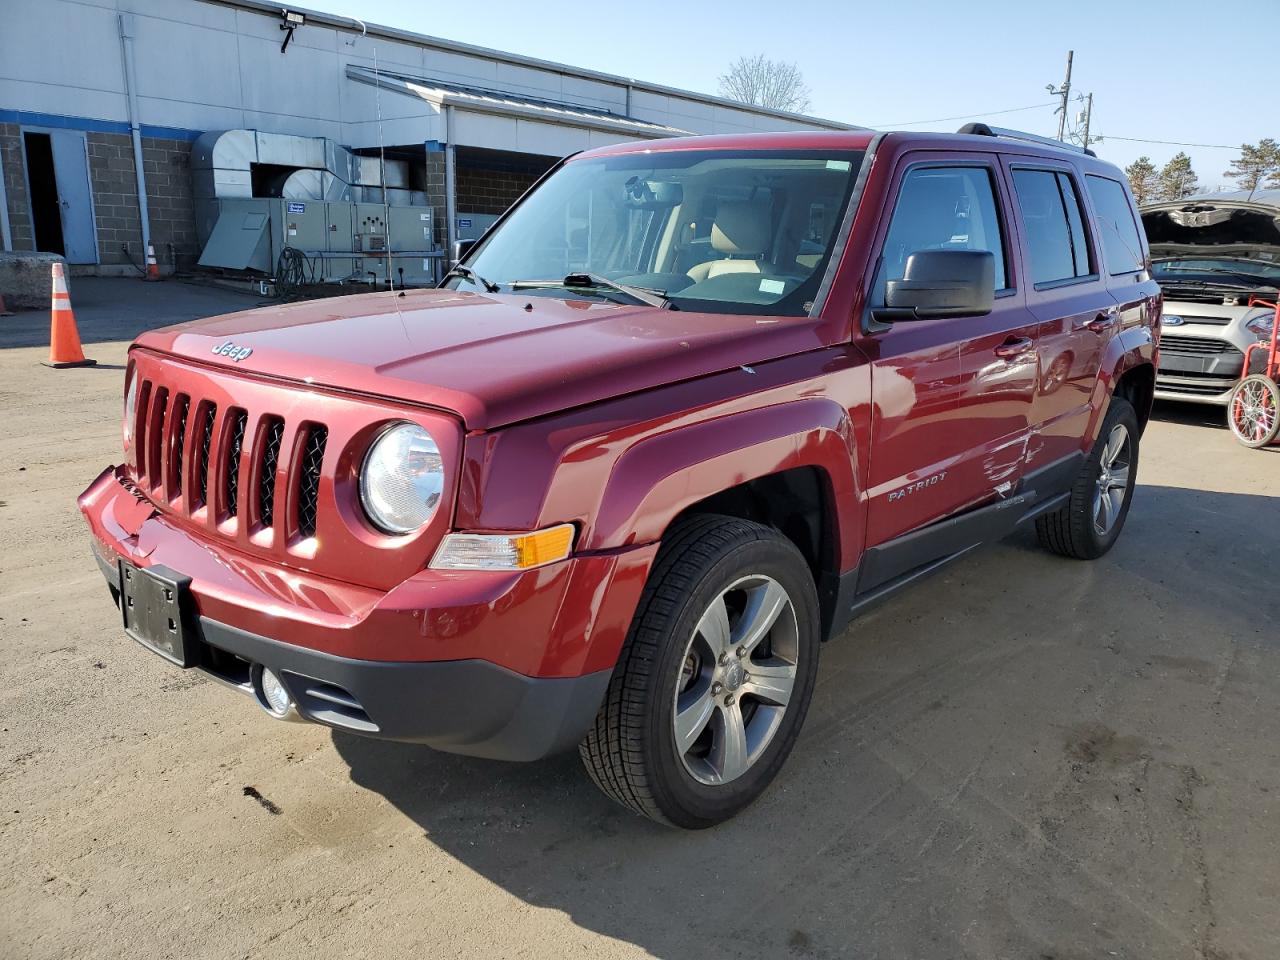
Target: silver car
(1211, 253)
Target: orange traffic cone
(153, 268)
(64, 341)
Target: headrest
(741, 227)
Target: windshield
(1216, 270)
(714, 231)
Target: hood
(1215, 225)
(492, 359)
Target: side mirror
(460, 249)
(941, 283)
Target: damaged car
(1212, 254)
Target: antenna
(382, 169)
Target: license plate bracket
(154, 605)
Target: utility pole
(1088, 115)
(1064, 92)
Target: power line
(964, 116)
(1172, 143)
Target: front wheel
(715, 678)
(1254, 410)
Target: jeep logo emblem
(229, 349)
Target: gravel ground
(1024, 757)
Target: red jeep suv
(686, 410)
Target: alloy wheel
(1113, 479)
(737, 677)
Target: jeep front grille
(309, 479)
(267, 472)
(181, 404)
(206, 445)
(235, 444)
(222, 466)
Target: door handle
(1103, 321)
(1013, 347)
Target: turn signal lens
(522, 551)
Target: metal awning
(502, 103)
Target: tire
(1254, 411)
(1091, 521)
(713, 580)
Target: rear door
(1068, 297)
(1125, 260)
(952, 396)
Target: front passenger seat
(741, 233)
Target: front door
(75, 202)
(952, 395)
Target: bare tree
(766, 83)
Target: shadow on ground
(1001, 762)
(1191, 414)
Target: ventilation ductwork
(243, 164)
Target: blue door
(75, 202)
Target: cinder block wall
(490, 186)
(167, 165)
(436, 195)
(15, 186)
(115, 200)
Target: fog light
(274, 694)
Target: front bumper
(460, 706)
(503, 665)
(1203, 379)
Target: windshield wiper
(466, 273)
(592, 281)
(1172, 282)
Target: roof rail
(982, 130)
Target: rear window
(1056, 241)
(1121, 244)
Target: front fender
(659, 477)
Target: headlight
(130, 408)
(402, 479)
(1261, 326)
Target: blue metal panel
(59, 122)
(75, 202)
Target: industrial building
(222, 131)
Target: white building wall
(205, 65)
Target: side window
(1075, 220)
(1056, 240)
(1121, 245)
(944, 208)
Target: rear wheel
(715, 677)
(1091, 521)
(1254, 410)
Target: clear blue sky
(1158, 69)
